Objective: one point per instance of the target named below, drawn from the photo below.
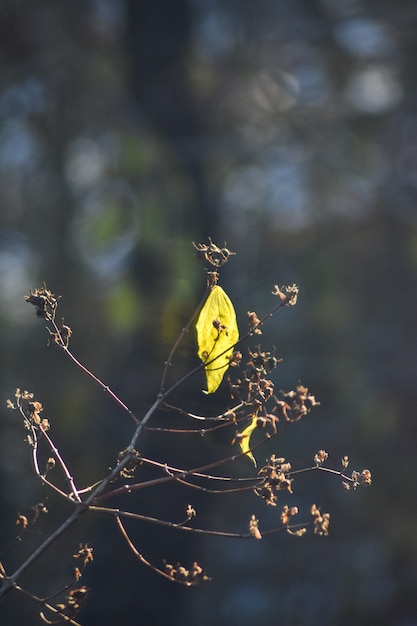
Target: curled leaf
(217, 334)
(244, 439)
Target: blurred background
(129, 129)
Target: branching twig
(10, 581)
(252, 397)
(34, 423)
(136, 552)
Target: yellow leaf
(244, 439)
(217, 334)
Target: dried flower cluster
(189, 577)
(320, 457)
(275, 477)
(74, 601)
(295, 404)
(213, 254)
(45, 302)
(288, 294)
(358, 479)
(254, 323)
(24, 522)
(321, 521)
(254, 388)
(254, 527)
(287, 514)
(128, 470)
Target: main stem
(9, 582)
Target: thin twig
(117, 513)
(225, 416)
(136, 552)
(105, 387)
(186, 483)
(211, 477)
(62, 343)
(63, 465)
(34, 444)
(323, 468)
(185, 330)
(198, 431)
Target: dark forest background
(128, 129)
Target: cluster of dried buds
(38, 509)
(84, 556)
(287, 513)
(212, 254)
(275, 478)
(45, 302)
(34, 409)
(30, 409)
(321, 521)
(254, 387)
(74, 601)
(61, 336)
(288, 295)
(187, 577)
(262, 362)
(358, 479)
(128, 470)
(320, 457)
(295, 404)
(254, 527)
(254, 323)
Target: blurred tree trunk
(158, 42)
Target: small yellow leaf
(217, 334)
(244, 439)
